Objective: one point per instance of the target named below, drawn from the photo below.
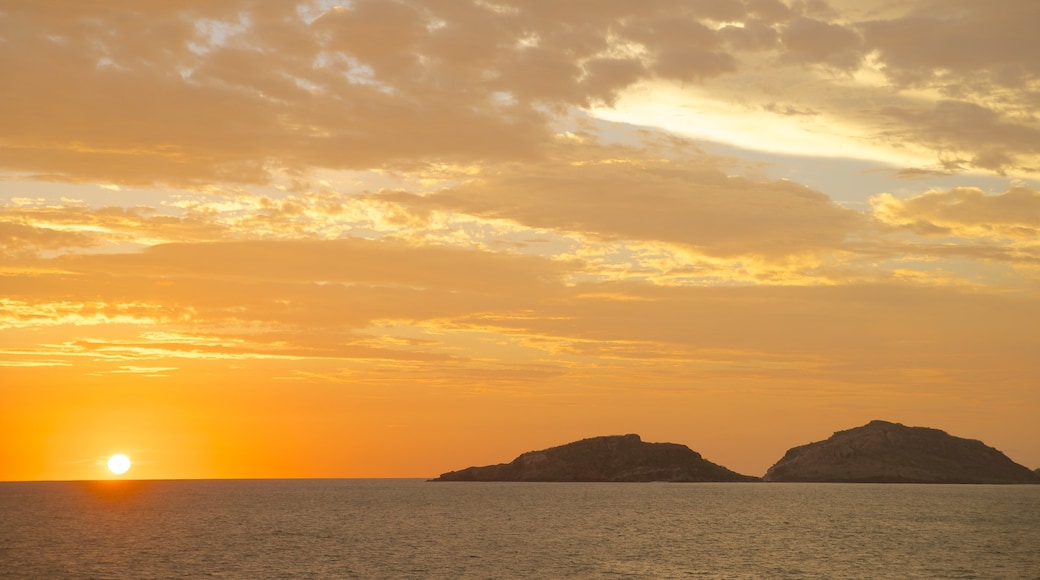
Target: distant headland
(609, 458)
(878, 452)
(886, 452)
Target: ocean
(405, 528)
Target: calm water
(414, 529)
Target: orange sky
(396, 238)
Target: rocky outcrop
(611, 458)
(886, 452)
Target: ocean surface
(398, 528)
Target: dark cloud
(959, 42)
(984, 137)
(132, 93)
(239, 91)
(812, 41)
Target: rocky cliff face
(611, 458)
(886, 452)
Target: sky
(381, 238)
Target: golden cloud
(687, 202)
(966, 212)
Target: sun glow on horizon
(119, 464)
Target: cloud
(989, 139)
(16, 237)
(768, 10)
(798, 319)
(789, 110)
(754, 36)
(34, 229)
(241, 91)
(246, 92)
(812, 41)
(236, 111)
(959, 44)
(683, 201)
(311, 283)
(966, 212)
(456, 312)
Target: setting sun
(118, 464)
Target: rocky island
(610, 458)
(884, 452)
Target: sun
(118, 464)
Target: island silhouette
(878, 452)
(885, 452)
(607, 458)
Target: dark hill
(611, 458)
(886, 452)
